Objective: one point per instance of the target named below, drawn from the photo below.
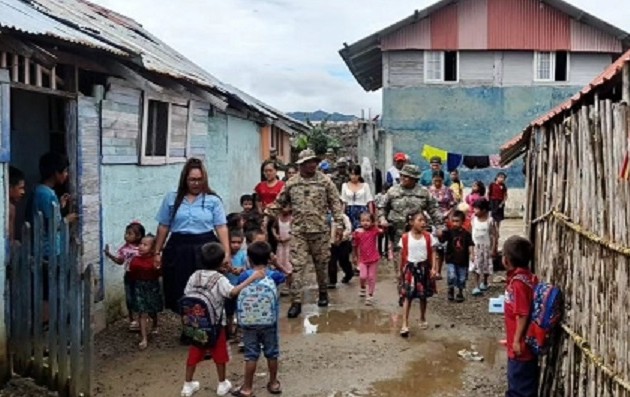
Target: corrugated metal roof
(85, 23)
(519, 142)
(365, 61)
(20, 16)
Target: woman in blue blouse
(190, 217)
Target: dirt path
(347, 349)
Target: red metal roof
(611, 72)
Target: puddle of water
(337, 322)
(437, 375)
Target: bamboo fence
(578, 216)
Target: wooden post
(27, 70)
(625, 94)
(15, 68)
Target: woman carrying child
(146, 283)
(366, 254)
(134, 233)
(418, 269)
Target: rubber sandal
(424, 325)
(134, 326)
(142, 345)
(239, 393)
(277, 390)
(404, 332)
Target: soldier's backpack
(258, 304)
(200, 321)
(546, 313)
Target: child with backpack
(523, 370)
(202, 309)
(418, 268)
(485, 236)
(257, 311)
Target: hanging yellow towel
(429, 151)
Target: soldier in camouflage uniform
(403, 199)
(311, 195)
(340, 176)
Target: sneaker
(460, 296)
(369, 301)
(451, 294)
(477, 292)
(190, 388)
(362, 293)
(483, 287)
(224, 388)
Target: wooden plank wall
(121, 112)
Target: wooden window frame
(441, 80)
(166, 159)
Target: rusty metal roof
(517, 145)
(84, 23)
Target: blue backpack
(201, 324)
(258, 304)
(546, 314)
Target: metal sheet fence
(50, 296)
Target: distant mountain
(321, 115)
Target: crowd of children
(240, 300)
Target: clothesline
(454, 161)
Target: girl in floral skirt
(418, 269)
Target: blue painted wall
(132, 192)
(466, 120)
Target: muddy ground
(348, 349)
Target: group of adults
(195, 215)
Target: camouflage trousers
(306, 249)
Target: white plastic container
(496, 305)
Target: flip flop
(276, 390)
(239, 393)
(404, 332)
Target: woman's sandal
(142, 345)
(274, 390)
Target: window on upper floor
(441, 66)
(551, 66)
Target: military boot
(323, 299)
(294, 310)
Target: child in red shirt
(146, 283)
(523, 370)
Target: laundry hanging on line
(455, 160)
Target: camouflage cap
(341, 162)
(330, 151)
(306, 155)
(411, 171)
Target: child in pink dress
(365, 252)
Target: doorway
(38, 126)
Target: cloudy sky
(285, 52)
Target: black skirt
(497, 210)
(181, 258)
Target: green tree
(318, 138)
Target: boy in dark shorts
(257, 309)
(523, 370)
(459, 250)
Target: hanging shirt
(202, 215)
(361, 197)
(267, 194)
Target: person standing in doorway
(192, 216)
(311, 195)
(393, 174)
(17, 190)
